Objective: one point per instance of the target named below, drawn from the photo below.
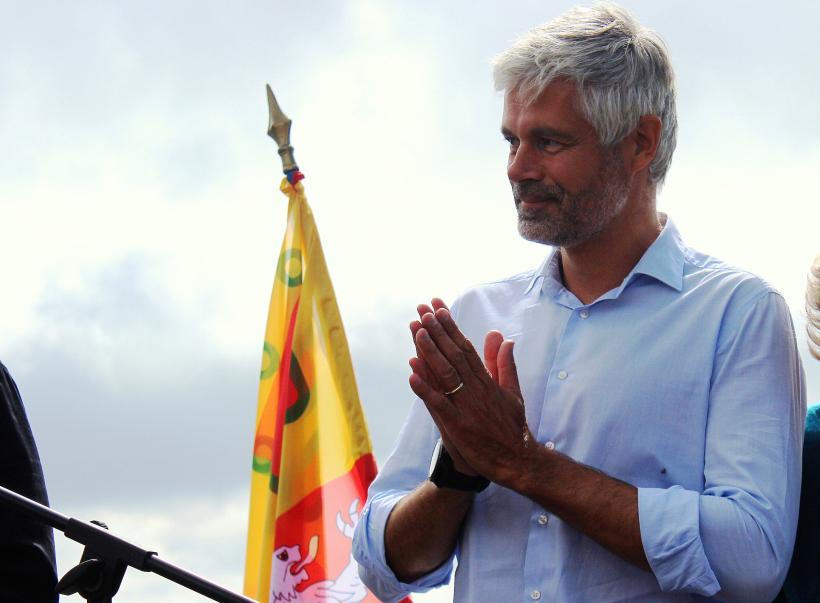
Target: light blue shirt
(684, 381)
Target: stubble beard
(571, 219)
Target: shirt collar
(548, 276)
(662, 261)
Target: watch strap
(445, 475)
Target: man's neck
(594, 267)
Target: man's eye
(549, 144)
(512, 140)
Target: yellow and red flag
(312, 460)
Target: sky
(141, 217)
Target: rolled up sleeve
(368, 550)
(671, 536)
(736, 537)
(404, 470)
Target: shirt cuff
(670, 532)
(369, 551)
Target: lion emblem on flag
(288, 570)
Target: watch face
(434, 458)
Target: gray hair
(622, 71)
(813, 308)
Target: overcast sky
(141, 218)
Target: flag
(312, 460)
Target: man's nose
(523, 165)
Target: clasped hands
(482, 424)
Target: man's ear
(643, 143)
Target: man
(639, 421)
(27, 570)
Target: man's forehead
(557, 104)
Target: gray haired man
(630, 429)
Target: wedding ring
(454, 390)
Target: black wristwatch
(444, 475)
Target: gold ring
(452, 391)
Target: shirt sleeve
(736, 537)
(404, 470)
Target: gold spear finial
(279, 130)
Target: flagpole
(307, 394)
(279, 129)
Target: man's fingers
(447, 376)
(423, 309)
(423, 370)
(438, 304)
(492, 343)
(450, 327)
(419, 368)
(437, 404)
(507, 373)
(451, 343)
(435, 304)
(445, 319)
(454, 355)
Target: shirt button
(584, 314)
(535, 595)
(562, 375)
(543, 519)
(550, 445)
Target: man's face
(567, 188)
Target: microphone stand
(106, 557)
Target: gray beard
(575, 218)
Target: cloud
(132, 400)
(129, 399)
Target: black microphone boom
(106, 557)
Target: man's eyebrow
(547, 132)
(542, 132)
